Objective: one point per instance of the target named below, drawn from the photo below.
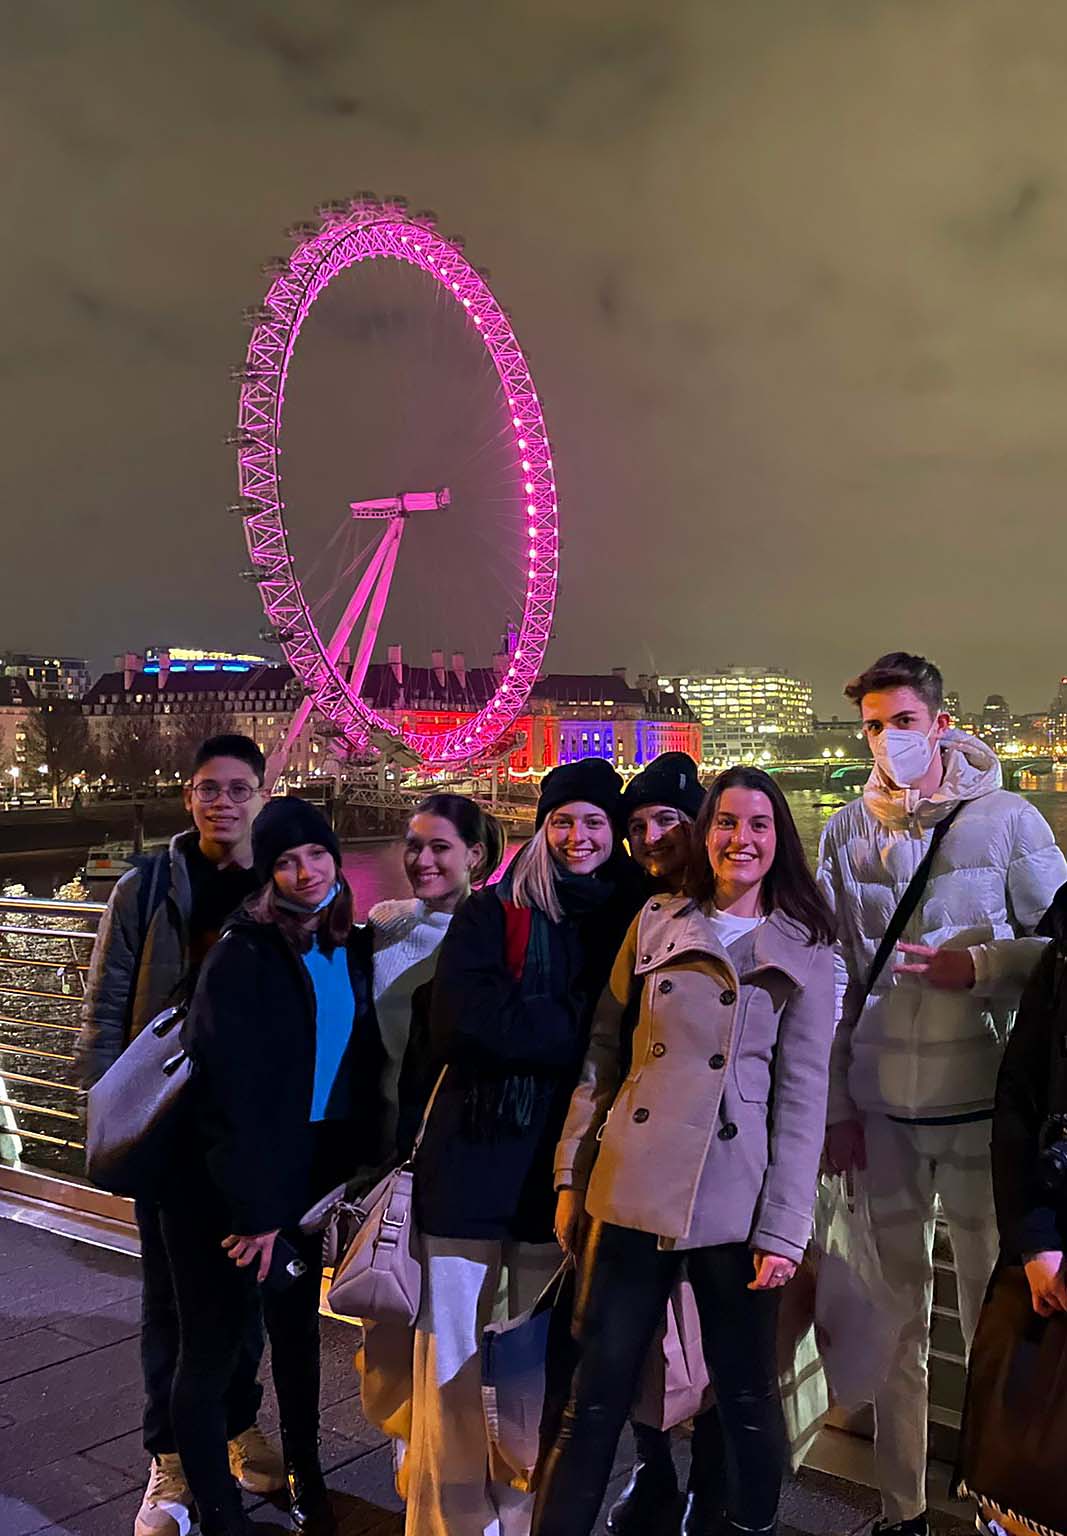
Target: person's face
(305, 874)
(659, 841)
(579, 836)
(437, 861)
(741, 838)
(224, 798)
(904, 710)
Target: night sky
(792, 277)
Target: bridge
(71, 1462)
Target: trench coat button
(659, 1049)
(646, 959)
(717, 1062)
(653, 906)
(666, 986)
(640, 1115)
(728, 1132)
(728, 998)
(670, 946)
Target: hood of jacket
(971, 769)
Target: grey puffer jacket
(914, 1051)
(109, 1020)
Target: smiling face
(224, 799)
(305, 874)
(580, 836)
(741, 841)
(437, 862)
(659, 842)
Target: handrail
(44, 966)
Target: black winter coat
(251, 1036)
(485, 1027)
(1032, 1085)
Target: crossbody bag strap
(426, 1114)
(907, 904)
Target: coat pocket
(757, 1034)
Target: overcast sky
(792, 275)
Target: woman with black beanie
(285, 1105)
(519, 973)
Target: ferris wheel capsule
(393, 203)
(257, 314)
(426, 217)
(303, 229)
(333, 209)
(274, 266)
(244, 508)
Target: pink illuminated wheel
(366, 230)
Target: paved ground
(71, 1462)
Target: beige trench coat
(715, 1134)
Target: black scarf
(578, 952)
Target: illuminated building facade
(743, 709)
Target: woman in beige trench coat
(706, 1151)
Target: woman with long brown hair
(285, 1104)
(706, 1153)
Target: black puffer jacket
(251, 1036)
(1032, 1085)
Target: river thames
(376, 872)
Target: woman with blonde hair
(518, 977)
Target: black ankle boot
(703, 1511)
(309, 1498)
(649, 1502)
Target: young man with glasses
(160, 922)
(916, 1054)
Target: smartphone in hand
(286, 1266)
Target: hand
(772, 1271)
(950, 970)
(570, 1220)
(846, 1147)
(246, 1250)
(1048, 1287)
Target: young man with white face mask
(915, 1063)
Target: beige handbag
(379, 1277)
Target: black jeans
(213, 1296)
(159, 1344)
(623, 1291)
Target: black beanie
(592, 779)
(672, 779)
(286, 823)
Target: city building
(995, 726)
(952, 706)
(150, 720)
(605, 716)
(49, 677)
(16, 702)
(742, 710)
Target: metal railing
(45, 948)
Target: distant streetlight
(14, 771)
(826, 751)
(42, 768)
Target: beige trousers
(915, 1173)
(465, 1285)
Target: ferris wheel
(330, 655)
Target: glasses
(239, 791)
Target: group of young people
(635, 1047)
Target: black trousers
(159, 1344)
(623, 1291)
(213, 1297)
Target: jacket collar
(671, 926)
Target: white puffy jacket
(916, 1051)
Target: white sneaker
(255, 1463)
(166, 1509)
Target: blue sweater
(335, 1007)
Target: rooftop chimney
(131, 665)
(459, 667)
(164, 669)
(437, 662)
(620, 673)
(501, 660)
(396, 662)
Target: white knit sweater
(406, 939)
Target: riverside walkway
(71, 1462)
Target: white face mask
(903, 756)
